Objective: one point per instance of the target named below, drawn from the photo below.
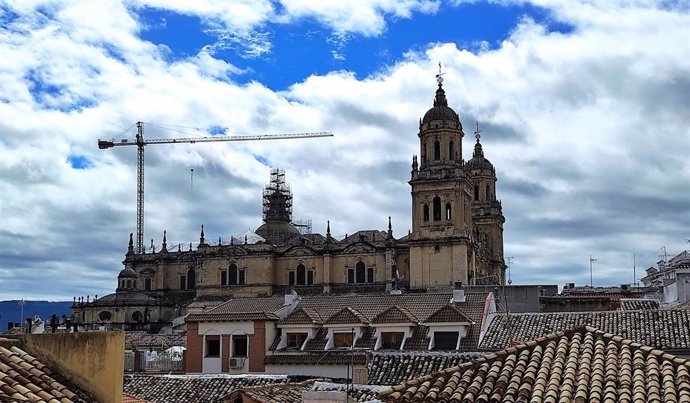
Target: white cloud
(588, 131)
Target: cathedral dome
(440, 110)
(478, 162)
(127, 272)
(277, 232)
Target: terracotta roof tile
(144, 339)
(302, 316)
(318, 342)
(231, 317)
(292, 392)
(347, 315)
(581, 365)
(395, 314)
(367, 339)
(664, 329)
(447, 313)
(638, 304)
(191, 388)
(419, 339)
(25, 378)
(328, 357)
(268, 304)
(391, 368)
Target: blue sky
(583, 107)
(306, 47)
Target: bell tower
(440, 244)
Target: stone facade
(456, 237)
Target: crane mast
(141, 143)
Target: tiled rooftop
(302, 316)
(231, 317)
(581, 365)
(370, 305)
(393, 368)
(268, 304)
(25, 378)
(292, 392)
(668, 330)
(346, 316)
(329, 357)
(448, 313)
(395, 314)
(638, 304)
(144, 339)
(191, 388)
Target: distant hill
(10, 311)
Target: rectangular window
(392, 340)
(291, 278)
(445, 340)
(295, 340)
(240, 279)
(370, 275)
(239, 346)
(183, 282)
(147, 284)
(223, 277)
(350, 275)
(212, 346)
(310, 277)
(341, 340)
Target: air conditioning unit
(236, 362)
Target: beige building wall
(439, 264)
(93, 360)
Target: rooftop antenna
(634, 271)
(510, 263)
(591, 260)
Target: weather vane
(477, 133)
(439, 78)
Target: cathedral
(456, 238)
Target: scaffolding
(304, 226)
(277, 198)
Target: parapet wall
(94, 361)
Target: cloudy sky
(584, 107)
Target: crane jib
(140, 142)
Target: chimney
(458, 293)
(290, 298)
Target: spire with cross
(477, 133)
(439, 76)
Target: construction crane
(141, 143)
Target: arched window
(129, 283)
(361, 272)
(488, 192)
(437, 208)
(437, 150)
(426, 212)
(191, 279)
(423, 153)
(233, 274)
(301, 274)
(451, 150)
(449, 215)
(476, 193)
